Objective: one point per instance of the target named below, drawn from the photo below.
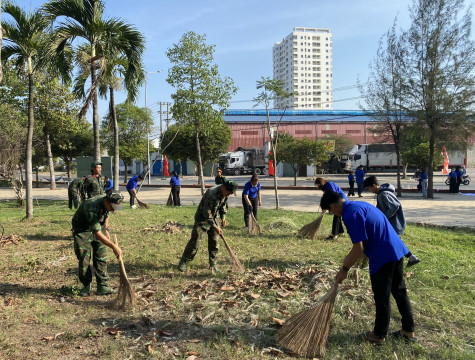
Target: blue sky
(244, 32)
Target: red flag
(271, 165)
(165, 167)
(446, 161)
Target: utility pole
(161, 123)
(168, 115)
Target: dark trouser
(337, 227)
(457, 185)
(390, 279)
(132, 197)
(73, 199)
(192, 247)
(452, 185)
(176, 195)
(83, 244)
(247, 209)
(352, 189)
(360, 188)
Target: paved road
(444, 209)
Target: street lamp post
(148, 133)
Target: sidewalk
(444, 209)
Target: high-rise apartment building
(303, 61)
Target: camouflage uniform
(211, 202)
(220, 180)
(93, 186)
(90, 216)
(75, 190)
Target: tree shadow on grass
(276, 264)
(48, 237)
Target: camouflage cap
(231, 185)
(115, 198)
(95, 163)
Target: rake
(126, 295)
(311, 230)
(306, 332)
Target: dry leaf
(112, 331)
(9, 302)
(279, 322)
(254, 296)
(150, 350)
(192, 357)
(227, 288)
(315, 292)
(192, 353)
(194, 341)
(409, 274)
(48, 338)
(165, 333)
(445, 277)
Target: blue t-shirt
(459, 173)
(251, 191)
(351, 178)
(453, 175)
(175, 181)
(423, 175)
(331, 186)
(366, 223)
(109, 184)
(132, 184)
(359, 173)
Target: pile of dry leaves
(10, 239)
(170, 227)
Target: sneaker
(105, 290)
(412, 262)
(133, 207)
(181, 266)
(85, 291)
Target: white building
(303, 61)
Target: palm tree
(26, 40)
(105, 37)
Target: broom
(306, 332)
(170, 199)
(237, 264)
(254, 228)
(311, 230)
(126, 295)
(142, 205)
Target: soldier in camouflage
(94, 183)
(92, 215)
(212, 202)
(220, 180)
(75, 192)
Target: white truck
(383, 156)
(244, 161)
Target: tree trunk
(95, 114)
(200, 164)
(37, 172)
(275, 179)
(430, 172)
(181, 168)
(68, 167)
(125, 174)
(398, 162)
(52, 185)
(29, 145)
(405, 171)
(295, 176)
(116, 139)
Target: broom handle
(225, 243)
(121, 263)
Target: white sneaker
(133, 207)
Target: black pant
(247, 209)
(337, 227)
(453, 183)
(352, 189)
(458, 181)
(176, 195)
(132, 197)
(360, 188)
(390, 279)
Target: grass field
(200, 316)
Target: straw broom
(237, 264)
(126, 295)
(170, 199)
(311, 230)
(254, 228)
(142, 205)
(306, 332)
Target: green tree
(301, 152)
(438, 66)
(180, 141)
(134, 125)
(1, 38)
(55, 109)
(343, 143)
(106, 39)
(26, 41)
(270, 90)
(419, 156)
(201, 93)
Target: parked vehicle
(465, 180)
(244, 161)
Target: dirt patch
(170, 227)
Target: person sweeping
(175, 188)
(212, 202)
(89, 239)
(337, 227)
(131, 189)
(372, 235)
(251, 198)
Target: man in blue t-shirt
(372, 235)
(175, 184)
(459, 179)
(251, 198)
(453, 181)
(337, 227)
(131, 186)
(424, 181)
(359, 174)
